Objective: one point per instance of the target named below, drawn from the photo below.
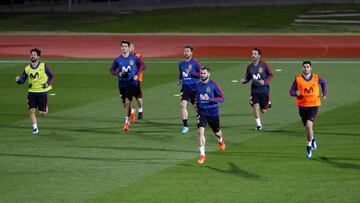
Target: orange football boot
(132, 115)
(222, 146)
(202, 159)
(126, 127)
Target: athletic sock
(202, 151)
(185, 123)
(219, 138)
(127, 120)
(140, 109)
(308, 143)
(35, 126)
(258, 122)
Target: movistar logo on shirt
(257, 76)
(126, 69)
(34, 76)
(204, 97)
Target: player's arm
(323, 87)
(21, 79)
(113, 68)
(179, 79)
(141, 62)
(218, 94)
(50, 75)
(196, 72)
(247, 77)
(270, 74)
(294, 92)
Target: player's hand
(297, 93)
(187, 71)
(261, 82)
(45, 85)
(242, 81)
(206, 97)
(135, 77)
(17, 78)
(121, 74)
(179, 82)
(323, 97)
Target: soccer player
(138, 95)
(126, 69)
(261, 74)
(40, 78)
(189, 70)
(208, 96)
(307, 92)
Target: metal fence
(73, 6)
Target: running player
(261, 74)
(126, 69)
(189, 70)
(40, 78)
(307, 92)
(208, 96)
(138, 95)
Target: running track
(218, 46)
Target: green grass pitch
(82, 154)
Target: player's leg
(139, 102)
(42, 105)
(184, 100)
(32, 105)
(312, 116)
(214, 123)
(305, 114)
(254, 101)
(202, 122)
(264, 102)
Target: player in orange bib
(138, 95)
(306, 89)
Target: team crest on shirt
(131, 62)
(190, 67)
(261, 70)
(208, 90)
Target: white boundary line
(176, 62)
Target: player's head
(132, 48)
(204, 73)
(125, 47)
(188, 51)
(255, 54)
(306, 68)
(35, 54)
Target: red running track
(212, 46)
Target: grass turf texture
(82, 154)
(258, 19)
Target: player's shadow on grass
(137, 149)
(333, 162)
(144, 160)
(238, 172)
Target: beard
(203, 79)
(33, 60)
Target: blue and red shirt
(130, 66)
(189, 73)
(261, 71)
(211, 90)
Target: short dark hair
(187, 46)
(307, 62)
(205, 68)
(126, 42)
(37, 50)
(258, 50)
